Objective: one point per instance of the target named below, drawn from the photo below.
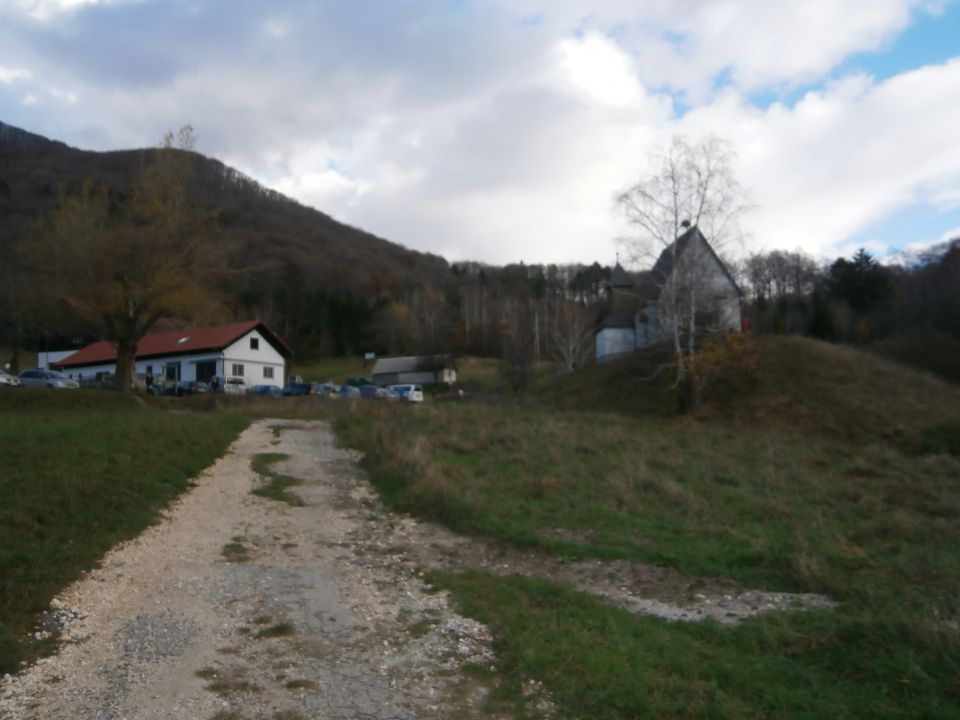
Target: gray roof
(664, 266)
(414, 363)
(620, 277)
(617, 320)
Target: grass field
(829, 471)
(81, 471)
(836, 473)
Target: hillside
(262, 231)
(799, 384)
(828, 470)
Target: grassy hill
(799, 384)
(830, 471)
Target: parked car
(327, 389)
(296, 389)
(269, 390)
(370, 391)
(349, 392)
(9, 380)
(229, 384)
(189, 387)
(409, 393)
(46, 379)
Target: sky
(502, 130)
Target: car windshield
(56, 375)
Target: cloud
(8, 76)
(46, 10)
(688, 44)
(842, 157)
(473, 130)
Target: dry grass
(836, 473)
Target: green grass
(82, 471)
(836, 473)
(602, 663)
(337, 369)
(767, 508)
(277, 484)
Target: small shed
(415, 370)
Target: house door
(171, 372)
(206, 370)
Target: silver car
(7, 380)
(46, 379)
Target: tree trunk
(126, 365)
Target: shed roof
(414, 363)
(177, 342)
(617, 320)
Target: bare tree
(571, 333)
(692, 188)
(128, 268)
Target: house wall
(254, 361)
(615, 342)
(188, 366)
(714, 292)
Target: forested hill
(325, 287)
(264, 232)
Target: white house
(249, 350)
(642, 309)
(415, 370)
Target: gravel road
(238, 607)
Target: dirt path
(237, 607)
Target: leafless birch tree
(691, 186)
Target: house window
(254, 343)
(268, 373)
(237, 369)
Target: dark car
(189, 387)
(269, 390)
(349, 392)
(327, 389)
(296, 389)
(370, 391)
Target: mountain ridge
(271, 231)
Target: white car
(46, 379)
(408, 393)
(9, 380)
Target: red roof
(176, 342)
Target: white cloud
(45, 10)
(8, 76)
(468, 132)
(596, 67)
(844, 157)
(687, 43)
